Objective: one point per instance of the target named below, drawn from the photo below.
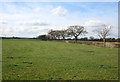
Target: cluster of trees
(91, 38)
(71, 31)
(16, 38)
(75, 31)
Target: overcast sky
(30, 19)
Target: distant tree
(57, 34)
(52, 34)
(13, 37)
(110, 39)
(118, 39)
(113, 39)
(63, 34)
(103, 32)
(91, 38)
(43, 37)
(75, 31)
(85, 38)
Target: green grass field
(49, 60)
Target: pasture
(26, 59)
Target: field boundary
(98, 44)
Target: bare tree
(76, 31)
(57, 34)
(52, 34)
(103, 32)
(63, 34)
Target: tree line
(71, 31)
(75, 31)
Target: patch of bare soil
(91, 51)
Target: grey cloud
(4, 22)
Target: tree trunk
(58, 38)
(63, 38)
(75, 38)
(104, 42)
